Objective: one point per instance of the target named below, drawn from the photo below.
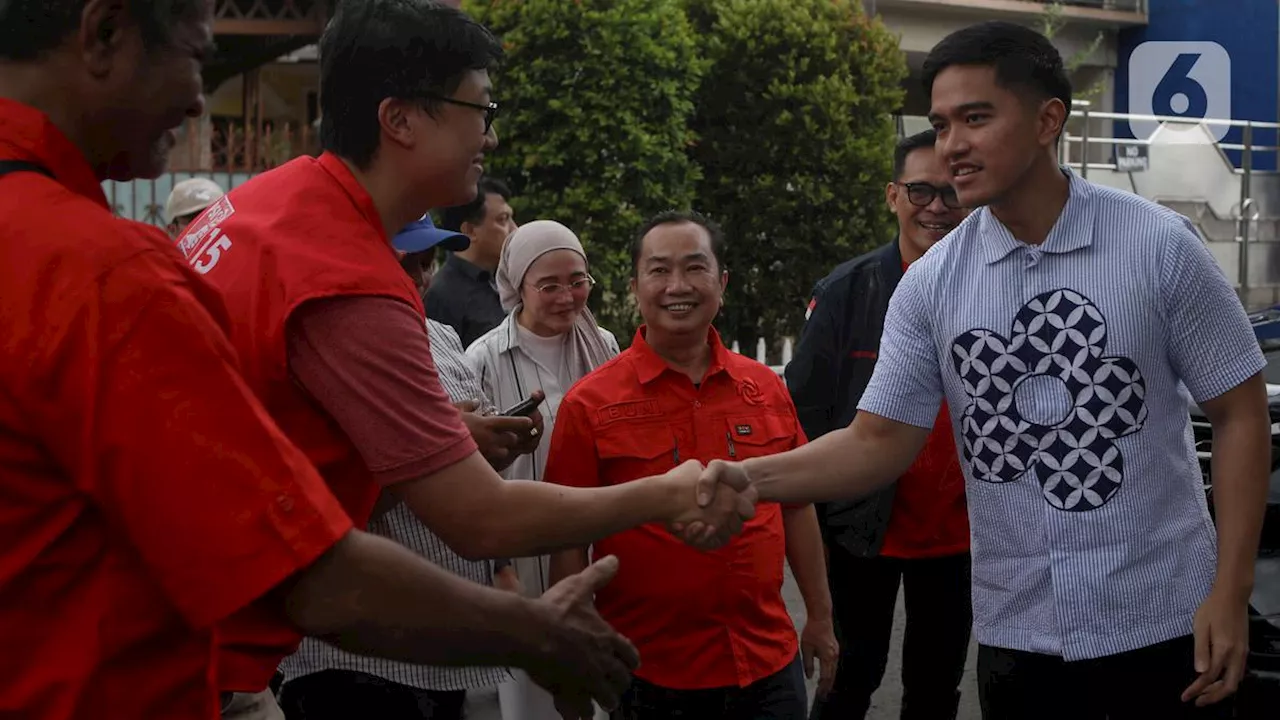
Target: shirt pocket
(759, 435)
(629, 452)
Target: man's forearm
(844, 464)
(1240, 471)
(371, 596)
(806, 555)
(538, 518)
(481, 516)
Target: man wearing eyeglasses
(331, 334)
(915, 532)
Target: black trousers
(346, 695)
(864, 593)
(1143, 684)
(781, 696)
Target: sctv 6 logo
(1180, 79)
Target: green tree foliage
(596, 98)
(795, 145)
(1051, 21)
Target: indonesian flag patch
(813, 303)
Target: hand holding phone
(525, 407)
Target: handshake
(581, 658)
(711, 503)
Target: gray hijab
(587, 347)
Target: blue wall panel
(1247, 29)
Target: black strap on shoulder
(13, 166)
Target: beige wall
(920, 31)
(284, 93)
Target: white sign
(1182, 79)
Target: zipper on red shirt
(732, 451)
(675, 455)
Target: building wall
(1247, 29)
(920, 31)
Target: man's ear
(1052, 121)
(395, 117)
(103, 32)
(891, 194)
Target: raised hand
(710, 522)
(582, 658)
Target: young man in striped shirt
(1065, 324)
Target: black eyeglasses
(921, 194)
(490, 110)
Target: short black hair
(1024, 60)
(378, 49)
(908, 145)
(31, 28)
(473, 212)
(679, 217)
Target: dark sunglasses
(921, 194)
(490, 110)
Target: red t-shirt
(929, 516)
(144, 492)
(327, 325)
(700, 619)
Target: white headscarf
(587, 348)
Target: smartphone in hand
(524, 408)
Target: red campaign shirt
(700, 620)
(289, 251)
(144, 492)
(929, 516)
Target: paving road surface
(885, 703)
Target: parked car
(1259, 695)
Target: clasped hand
(719, 500)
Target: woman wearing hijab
(548, 341)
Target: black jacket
(831, 368)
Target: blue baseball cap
(424, 235)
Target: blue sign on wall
(1175, 66)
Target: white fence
(762, 353)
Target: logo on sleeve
(204, 243)
(813, 303)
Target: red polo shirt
(144, 493)
(700, 619)
(929, 516)
(327, 325)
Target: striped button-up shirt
(401, 525)
(1068, 368)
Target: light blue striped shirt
(1067, 369)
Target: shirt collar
(28, 134)
(649, 366)
(470, 269)
(360, 197)
(1072, 231)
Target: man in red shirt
(916, 532)
(332, 332)
(713, 628)
(145, 494)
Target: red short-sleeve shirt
(144, 492)
(700, 619)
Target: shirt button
(697, 403)
(285, 502)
